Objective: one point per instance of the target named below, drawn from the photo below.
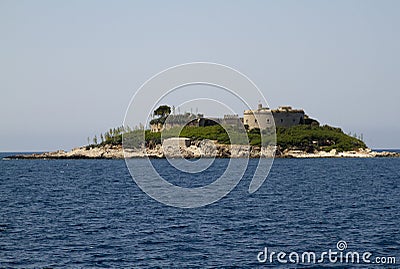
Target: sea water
(90, 213)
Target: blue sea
(91, 214)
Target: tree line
(112, 136)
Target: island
(191, 135)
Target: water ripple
(93, 215)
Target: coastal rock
(240, 151)
(209, 149)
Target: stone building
(179, 120)
(232, 120)
(285, 116)
(259, 118)
(263, 117)
(170, 121)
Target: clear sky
(69, 68)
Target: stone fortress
(284, 116)
(260, 118)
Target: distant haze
(69, 68)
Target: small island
(193, 136)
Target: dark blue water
(90, 213)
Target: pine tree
(162, 111)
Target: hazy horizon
(69, 69)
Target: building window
(255, 120)
(247, 120)
(294, 120)
(267, 120)
(281, 120)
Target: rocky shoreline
(197, 151)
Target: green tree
(95, 140)
(107, 136)
(162, 111)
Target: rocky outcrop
(360, 153)
(197, 149)
(105, 152)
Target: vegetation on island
(302, 137)
(111, 137)
(305, 137)
(162, 112)
(310, 138)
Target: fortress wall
(288, 119)
(261, 118)
(258, 119)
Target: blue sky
(69, 68)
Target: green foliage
(308, 138)
(215, 132)
(112, 137)
(154, 137)
(302, 137)
(158, 120)
(162, 111)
